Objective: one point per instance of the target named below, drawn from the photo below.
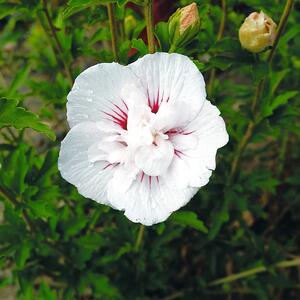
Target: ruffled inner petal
(154, 159)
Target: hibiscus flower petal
(194, 162)
(209, 126)
(148, 201)
(170, 78)
(76, 166)
(97, 94)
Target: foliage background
(54, 244)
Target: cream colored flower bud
(184, 25)
(257, 32)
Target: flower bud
(184, 25)
(257, 32)
(130, 25)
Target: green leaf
(41, 208)
(8, 234)
(221, 215)
(93, 241)
(102, 286)
(46, 293)
(49, 167)
(188, 218)
(106, 259)
(219, 62)
(280, 100)
(75, 6)
(290, 34)
(199, 64)
(226, 45)
(21, 169)
(162, 35)
(283, 99)
(276, 78)
(14, 170)
(22, 253)
(26, 287)
(18, 81)
(140, 46)
(260, 71)
(75, 225)
(12, 115)
(7, 9)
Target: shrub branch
(149, 25)
(57, 43)
(113, 29)
(234, 277)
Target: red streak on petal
(187, 133)
(142, 177)
(125, 104)
(172, 131)
(155, 106)
(108, 165)
(121, 111)
(179, 131)
(117, 119)
(148, 96)
(157, 179)
(120, 116)
(178, 153)
(150, 181)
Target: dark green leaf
(12, 115)
(140, 46)
(188, 218)
(162, 35)
(22, 253)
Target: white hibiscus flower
(143, 137)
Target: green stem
(282, 153)
(113, 29)
(94, 219)
(258, 94)
(234, 277)
(139, 238)
(57, 43)
(10, 198)
(239, 152)
(149, 25)
(283, 20)
(259, 91)
(219, 36)
(223, 20)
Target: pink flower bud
(184, 25)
